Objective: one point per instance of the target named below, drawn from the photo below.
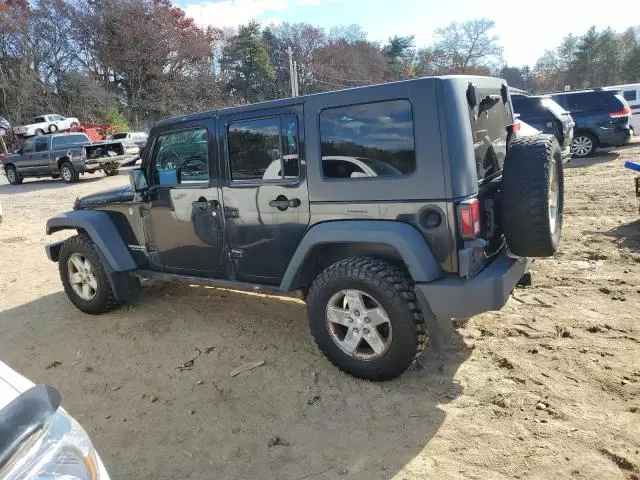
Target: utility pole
(292, 73)
(295, 78)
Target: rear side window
(368, 140)
(576, 102)
(39, 120)
(630, 95)
(119, 136)
(69, 141)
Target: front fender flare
(403, 237)
(102, 231)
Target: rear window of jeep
(368, 140)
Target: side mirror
(138, 181)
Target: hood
(115, 195)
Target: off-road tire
(104, 300)
(53, 128)
(39, 132)
(12, 175)
(392, 287)
(72, 176)
(525, 196)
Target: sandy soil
(547, 388)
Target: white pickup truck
(46, 124)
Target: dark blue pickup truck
(65, 155)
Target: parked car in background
(46, 124)
(138, 138)
(65, 155)
(601, 117)
(38, 438)
(5, 126)
(544, 114)
(631, 94)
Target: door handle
(282, 203)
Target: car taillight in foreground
(513, 128)
(469, 218)
(625, 112)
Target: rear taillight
(513, 128)
(625, 112)
(469, 218)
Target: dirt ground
(547, 388)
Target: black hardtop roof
(285, 102)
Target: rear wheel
(83, 277)
(68, 174)
(533, 196)
(39, 132)
(111, 173)
(365, 318)
(12, 175)
(584, 144)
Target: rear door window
(630, 95)
(41, 144)
(264, 149)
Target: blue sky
(524, 36)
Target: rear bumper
(620, 136)
(489, 290)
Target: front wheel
(365, 318)
(68, 174)
(83, 277)
(111, 173)
(12, 175)
(53, 128)
(584, 145)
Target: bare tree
(469, 46)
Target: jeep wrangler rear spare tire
(533, 196)
(83, 277)
(365, 318)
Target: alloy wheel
(358, 324)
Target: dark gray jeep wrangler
(387, 208)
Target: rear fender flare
(405, 239)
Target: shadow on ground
(202, 420)
(599, 157)
(32, 185)
(627, 236)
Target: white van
(631, 94)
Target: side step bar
(213, 282)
